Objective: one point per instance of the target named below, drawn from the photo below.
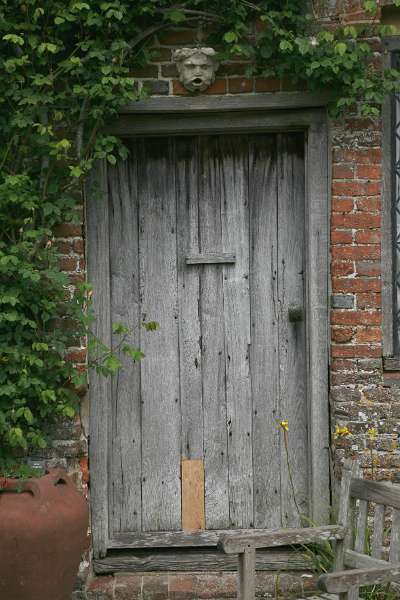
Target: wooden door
(206, 236)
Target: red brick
(181, 587)
(155, 587)
(178, 89)
(372, 204)
(342, 172)
(342, 334)
(368, 268)
(355, 317)
(78, 246)
(340, 236)
(128, 586)
(218, 87)
(356, 252)
(369, 172)
(267, 84)
(368, 237)
(169, 71)
(340, 268)
(261, 26)
(344, 205)
(172, 38)
(101, 587)
(240, 85)
(66, 230)
(355, 188)
(289, 85)
(362, 156)
(369, 300)
(149, 71)
(368, 334)
(209, 586)
(356, 351)
(356, 285)
(358, 220)
(340, 364)
(68, 264)
(161, 55)
(77, 356)
(64, 247)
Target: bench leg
(247, 574)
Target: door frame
(164, 116)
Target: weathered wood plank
(317, 256)
(376, 491)
(247, 574)
(235, 234)
(342, 581)
(97, 219)
(361, 529)
(377, 533)
(292, 342)
(187, 198)
(213, 339)
(125, 439)
(193, 516)
(346, 506)
(161, 419)
(354, 560)
(237, 542)
(394, 552)
(280, 100)
(229, 122)
(210, 259)
(198, 560)
(174, 539)
(264, 329)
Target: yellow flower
(284, 425)
(341, 432)
(372, 433)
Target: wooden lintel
(210, 259)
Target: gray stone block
(342, 301)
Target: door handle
(295, 313)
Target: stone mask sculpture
(196, 67)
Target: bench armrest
(236, 542)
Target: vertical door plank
(97, 222)
(264, 330)
(292, 341)
(193, 517)
(189, 298)
(125, 439)
(235, 239)
(161, 421)
(213, 339)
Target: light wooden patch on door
(193, 515)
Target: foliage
(65, 72)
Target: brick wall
(361, 394)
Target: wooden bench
(349, 536)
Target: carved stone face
(197, 67)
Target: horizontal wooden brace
(341, 581)
(210, 259)
(376, 491)
(200, 559)
(237, 543)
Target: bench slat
(376, 491)
(342, 581)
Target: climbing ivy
(64, 74)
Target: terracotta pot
(43, 532)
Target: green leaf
(230, 37)
(340, 48)
(176, 16)
(151, 325)
(14, 39)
